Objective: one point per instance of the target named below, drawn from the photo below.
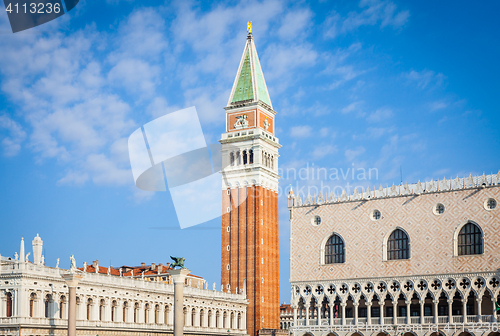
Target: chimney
(143, 264)
(160, 268)
(153, 266)
(168, 265)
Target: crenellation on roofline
(400, 190)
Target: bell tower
(250, 245)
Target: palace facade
(425, 256)
(122, 301)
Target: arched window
(89, 306)
(217, 316)
(136, 308)
(398, 245)
(250, 156)
(101, 309)
(193, 317)
(245, 161)
(157, 312)
(32, 304)
(209, 319)
(9, 305)
(125, 311)
(231, 158)
(113, 310)
(146, 310)
(239, 320)
(470, 240)
(167, 311)
(48, 298)
(334, 250)
(202, 318)
(61, 306)
(224, 320)
(238, 158)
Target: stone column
(72, 280)
(356, 305)
(464, 312)
(450, 311)
(307, 314)
(319, 314)
(368, 313)
(179, 276)
(343, 304)
(295, 315)
(394, 312)
(331, 314)
(479, 303)
(382, 305)
(408, 316)
(422, 303)
(493, 300)
(436, 302)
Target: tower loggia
(250, 244)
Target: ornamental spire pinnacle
(249, 85)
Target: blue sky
(407, 87)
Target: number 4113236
(34, 8)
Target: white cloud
(295, 24)
(301, 131)
(321, 151)
(425, 78)
(352, 107)
(351, 154)
(374, 12)
(438, 105)
(380, 115)
(15, 135)
(74, 178)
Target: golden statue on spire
(249, 27)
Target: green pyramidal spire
(250, 85)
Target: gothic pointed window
(9, 305)
(334, 250)
(470, 240)
(398, 245)
(250, 156)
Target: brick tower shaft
(250, 230)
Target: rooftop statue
(72, 266)
(178, 261)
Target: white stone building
(33, 301)
(425, 257)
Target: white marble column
(436, 302)
(307, 314)
(381, 304)
(408, 316)
(368, 313)
(479, 312)
(394, 312)
(72, 280)
(495, 317)
(179, 276)
(356, 306)
(464, 307)
(422, 303)
(450, 311)
(343, 304)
